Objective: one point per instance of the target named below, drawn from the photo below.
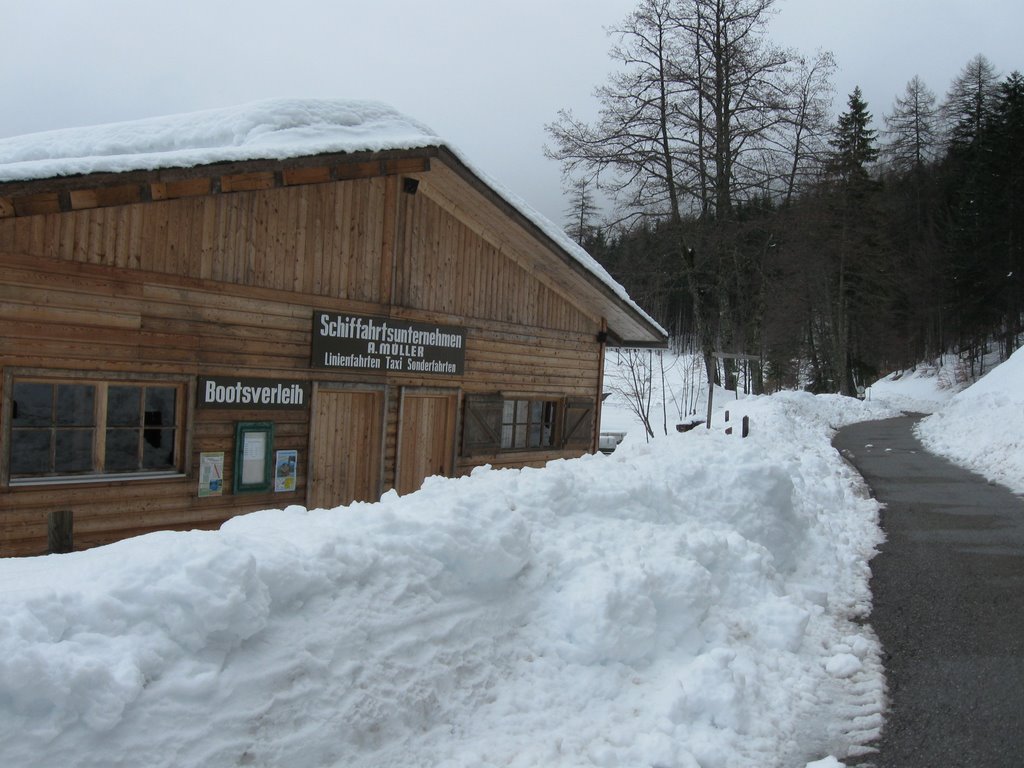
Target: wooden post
(60, 532)
(726, 356)
(746, 426)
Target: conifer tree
(855, 248)
(854, 147)
(581, 212)
(1007, 220)
(912, 151)
(969, 103)
(969, 113)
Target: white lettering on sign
(245, 394)
(368, 329)
(334, 360)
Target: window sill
(21, 482)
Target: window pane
(536, 410)
(158, 449)
(506, 435)
(73, 450)
(522, 407)
(520, 439)
(75, 404)
(535, 434)
(122, 450)
(549, 412)
(33, 404)
(508, 411)
(123, 406)
(30, 451)
(548, 425)
(160, 406)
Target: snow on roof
(273, 129)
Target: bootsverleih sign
(251, 394)
(386, 344)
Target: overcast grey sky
(485, 74)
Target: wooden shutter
(481, 424)
(578, 424)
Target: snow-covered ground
(979, 425)
(923, 389)
(692, 601)
(982, 427)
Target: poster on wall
(211, 474)
(286, 471)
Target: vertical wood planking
(389, 223)
(346, 450)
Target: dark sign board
(387, 344)
(251, 394)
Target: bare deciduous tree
(912, 129)
(686, 126)
(802, 143)
(632, 379)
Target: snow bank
(922, 389)
(982, 427)
(691, 602)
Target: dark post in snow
(60, 532)
(711, 384)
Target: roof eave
(634, 330)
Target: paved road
(948, 590)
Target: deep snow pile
(688, 602)
(982, 426)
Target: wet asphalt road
(948, 590)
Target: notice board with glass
(254, 456)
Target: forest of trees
(749, 219)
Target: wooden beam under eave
(248, 182)
(102, 197)
(173, 190)
(33, 205)
(298, 176)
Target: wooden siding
(226, 284)
(322, 240)
(450, 269)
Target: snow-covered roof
(273, 129)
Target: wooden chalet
(184, 340)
